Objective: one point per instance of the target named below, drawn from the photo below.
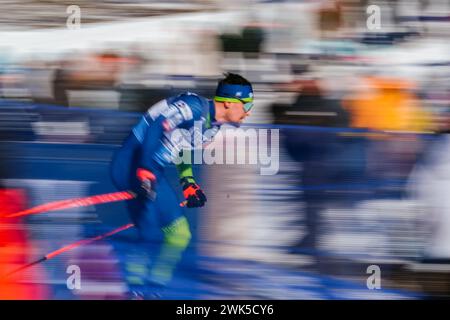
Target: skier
(140, 163)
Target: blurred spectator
(252, 40)
(388, 104)
(325, 158)
(429, 185)
(249, 41)
(61, 83)
(14, 245)
(330, 16)
(98, 72)
(310, 107)
(242, 53)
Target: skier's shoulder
(193, 101)
(190, 98)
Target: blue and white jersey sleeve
(154, 129)
(179, 111)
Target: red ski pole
(71, 246)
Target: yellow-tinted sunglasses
(247, 102)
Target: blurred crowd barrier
(363, 120)
(129, 64)
(342, 198)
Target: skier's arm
(185, 170)
(192, 192)
(165, 117)
(152, 142)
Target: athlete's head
(233, 99)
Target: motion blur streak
(14, 250)
(361, 102)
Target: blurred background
(363, 113)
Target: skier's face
(236, 112)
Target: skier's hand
(148, 182)
(192, 193)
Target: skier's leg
(176, 233)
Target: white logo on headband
(238, 94)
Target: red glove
(192, 193)
(148, 182)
